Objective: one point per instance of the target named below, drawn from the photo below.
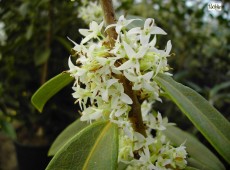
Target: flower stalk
(48, 43)
(109, 18)
(134, 115)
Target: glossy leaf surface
(69, 132)
(205, 117)
(95, 147)
(50, 88)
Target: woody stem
(134, 115)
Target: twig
(135, 115)
(48, 42)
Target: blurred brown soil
(8, 159)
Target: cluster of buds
(101, 95)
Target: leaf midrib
(95, 145)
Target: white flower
(157, 122)
(133, 57)
(97, 72)
(145, 159)
(81, 95)
(168, 48)
(125, 149)
(126, 127)
(72, 68)
(94, 31)
(141, 141)
(105, 89)
(121, 23)
(90, 11)
(120, 110)
(108, 63)
(147, 31)
(140, 81)
(119, 101)
(91, 113)
(146, 108)
(118, 94)
(78, 48)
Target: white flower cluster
(101, 94)
(90, 11)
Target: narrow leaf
(122, 166)
(65, 43)
(191, 168)
(50, 88)
(198, 165)
(95, 147)
(41, 57)
(29, 32)
(205, 117)
(69, 132)
(219, 87)
(198, 153)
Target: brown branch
(109, 17)
(48, 43)
(135, 115)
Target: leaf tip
(40, 109)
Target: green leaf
(205, 117)
(194, 86)
(122, 166)
(8, 129)
(200, 156)
(194, 163)
(23, 9)
(66, 135)
(191, 168)
(95, 147)
(65, 43)
(29, 32)
(219, 87)
(50, 88)
(41, 57)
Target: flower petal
(126, 65)
(168, 47)
(129, 51)
(157, 30)
(126, 99)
